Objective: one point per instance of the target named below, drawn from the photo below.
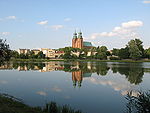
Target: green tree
(40, 55)
(147, 53)
(22, 56)
(135, 52)
(14, 54)
(115, 51)
(140, 46)
(124, 53)
(101, 53)
(5, 52)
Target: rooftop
(89, 44)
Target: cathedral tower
(77, 41)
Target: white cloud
(122, 85)
(146, 2)
(41, 93)
(4, 33)
(11, 17)
(57, 27)
(43, 22)
(125, 30)
(131, 24)
(67, 19)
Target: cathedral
(77, 41)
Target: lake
(93, 87)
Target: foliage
(10, 104)
(101, 53)
(124, 53)
(115, 51)
(114, 58)
(147, 53)
(5, 52)
(134, 49)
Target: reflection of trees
(133, 72)
(102, 68)
(28, 66)
(87, 67)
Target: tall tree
(115, 51)
(147, 53)
(135, 52)
(124, 53)
(4, 51)
(140, 46)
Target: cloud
(4, 33)
(146, 2)
(67, 19)
(3, 82)
(43, 22)
(132, 24)
(57, 27)
(125, 30)
(42, 93)
(120, 84)
(56, 89)
(11, 17)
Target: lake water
(93, 87)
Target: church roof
(89, 44)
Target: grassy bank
(91, 60)
(9, 104)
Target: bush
(114, 58)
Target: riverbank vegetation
(10, 104)
(134, 51)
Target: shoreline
(79, 60)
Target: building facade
(23, 51)
(77, 41)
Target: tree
(40, 55)
(140, 46)
(135, 52)
(115, 51)
(147, 53)
(14, 54)
(101, 53)
(124, 53)
(4, 51)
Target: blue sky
(51, 23)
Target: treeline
(28, 55)
(134, 50)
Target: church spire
(75, 34)
(80, 34)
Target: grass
(10, 104)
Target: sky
(51, 23)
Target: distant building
(77, 42)
(52, 53)
(35, 51)
(23, 51)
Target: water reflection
(133, 71)
(89, 86)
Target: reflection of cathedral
(77, 78)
